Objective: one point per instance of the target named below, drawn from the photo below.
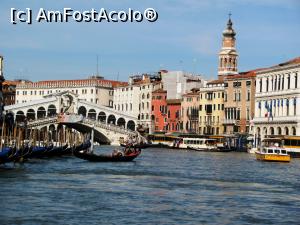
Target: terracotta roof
(292, 61)
(215, 82)
(66, 83)
(10, 82)
(193, 92)
(241, 75)
(174, 101)
(159, 91)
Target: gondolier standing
(1, 96)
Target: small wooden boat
(273, 154)
(107, 158)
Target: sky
(187, 36)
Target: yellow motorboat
(273, 154)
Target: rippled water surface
(161, 187)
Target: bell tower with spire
(228, 55)
(1, 94)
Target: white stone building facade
(277, 101)
(177, 83)
(94, 90)
(135, 99)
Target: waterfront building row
(260, 102)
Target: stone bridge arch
(111, 119)
(41, 112)
(82, 111)
(52, 110)
(92, 114)
(102, 116)
(121, 122)
(30, 115)
(99, 137)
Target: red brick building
(165, 112)
(173, 116)
(159, 110)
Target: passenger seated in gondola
(127, 151)
(117, 152)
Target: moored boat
(201, 144)
(5, 154)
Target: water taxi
(290, 143)
(273, 154)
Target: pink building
(190, 111)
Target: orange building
(165, 113)
(173, 117)
(9, 92)
(159, 110)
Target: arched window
(260, 85)
(92, 114)
(30, 114)
(294, 131)
(52, 110)
(279, 130)
(286, 131)
(234, 63)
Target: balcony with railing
(230, 121)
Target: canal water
(161, 187)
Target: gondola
(38, 152)
(83, 146)
(107, 158)
(141, 146)
(56, 151)
(5, 154)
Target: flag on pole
(267, 107)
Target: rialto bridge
(109, 124)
